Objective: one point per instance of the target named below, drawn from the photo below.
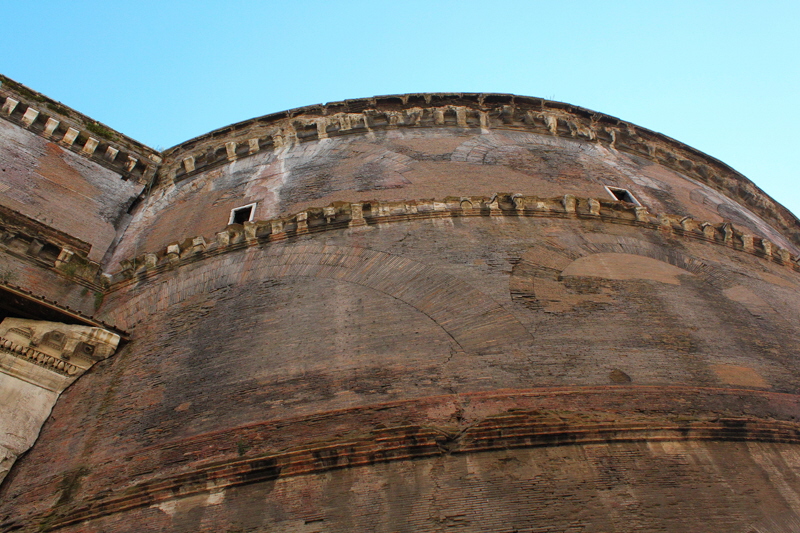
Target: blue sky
(722, 77)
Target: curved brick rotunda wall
(431, 313)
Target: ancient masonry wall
(438, 315)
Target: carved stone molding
(38, 360)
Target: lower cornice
(400, 431)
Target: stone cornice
(73, 314)
(76, 132)
(465, 111)
(343, 215)
(26, 353)
(36, 243)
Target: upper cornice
(467, 110)
(76, 132)
(133, 160)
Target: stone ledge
(343, 215)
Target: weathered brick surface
(56, 187)
(286, 332)
(584, 368)
(669, 486)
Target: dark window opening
(622, 195)
(240, 215)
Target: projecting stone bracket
(38, 360)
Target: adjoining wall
(63, 190)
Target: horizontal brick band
(487, 421)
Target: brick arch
(471, 318)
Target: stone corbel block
(747, 243)
(379, 209)
(10, 105)
(393, 118)
(34, 248)
(230, 150)
(453, 203)
(507, 114)
(188, 164)
(127, 267)
(49, 127)
(322, 127)
(492, 205)
(150, 261)
(29, 117)
(438, 116)
(131, 164)
(90, 146)
(414, 115)
(223, 238)
(252, 145)
(250, 230)
(111, 153)
(64, 257)
(727, 233)
(688, 224)
(767, 246)
(329, 213)
(708, 231)
(70, 136)
(461, 116)
(198, 245)
(276, 227)
(785, 256)
(302, 222)
(173, 253)
(569, 202)
(552, 123)
(399, 208)
(519, 202)
(357, 214)
(594, 206)
(236, 232)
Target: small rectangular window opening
(622, 195)
(243, 214)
